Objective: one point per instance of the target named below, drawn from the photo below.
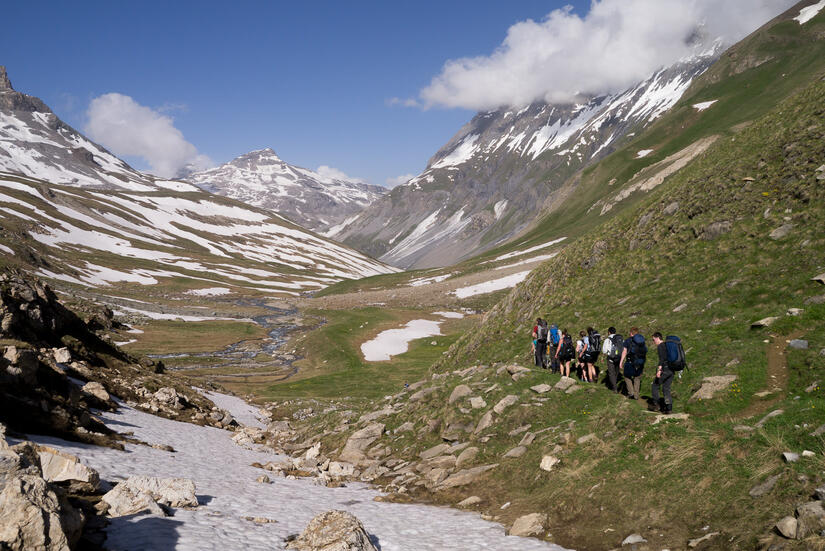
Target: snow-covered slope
(262, 179)
(36, 143)
(490, 180)
(71, 211)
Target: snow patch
(493, 285)
(210, 292)
(462, 153)
(643, 153)
(396, 341)
(539, 258)
(705, 104)
(528, 251)
(6, 249)
(450, 315)
(809, 12)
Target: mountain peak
(5, 83)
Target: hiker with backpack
(540, 332)
(553, 345)
(581, 350)
(612, 350)
(565, 352)
(634, 354)
(591, 355)
(671, 360)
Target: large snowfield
(227, 492)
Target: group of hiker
(555, 349)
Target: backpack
(554, 334)
(567, 351)
(595, 347)
(541, 333)
(675, 353)
(638, 351)
(617, 343)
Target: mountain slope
(489, 181)
(262, 179)
(71, 211)
(35, 142)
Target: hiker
(553, 344)
(565, 352)
(582, 346)
(671, 360)
(612, 350)
(591, 355)
(634, 353)
(540, 332)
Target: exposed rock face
(359, 441)
(63, 467)
(141, 493)
(333, 531)
(529, 525)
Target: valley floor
(228, 493)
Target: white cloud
(336, 174)
(618, 43)
(398, 180)
(125, 127)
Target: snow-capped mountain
(36, 143)
(491, 179)
(73, 212)
(263, 179)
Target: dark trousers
(554, 359)
(613, 374)
(662, 383)
(541, 354)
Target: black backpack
(616, 351)
(541, 333)
(567, 351)
(675, 353)
(638, 350)
(595, 347)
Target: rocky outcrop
(145, 493)
(62, 467)
(333, 531)
(529, 525)
(359, 441)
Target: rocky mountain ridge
(263, 179)
(491, 179)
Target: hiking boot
(668, 409)
(653, 406)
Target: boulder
(820, 493)
(586, 438)
(466, 476)
(513, 369)
(765, 487)
(787, 527)
(485, 422)
(781, 232)
(465, 457)
(470, 501)
(459, 392)
(790, 457)
(516, 452)
(798, 344)
(263, 479)
(34, 517)
(58, 466)
(819, 279)
(359, 441)
(340, 469)
(62, 355)
(548, 462)
(370, 417)
(434, 451)
(421, 394)
(97, 390)
(333, 531)
(712, 385)
(542, 388)
(504, 403)
(564, 383)
(405, 427)
(764, 322)
(529, 525)
(633, 539)
(810, 519)
(168, 396)
(22, 364)
(141, 493)
(527, 439)
(477, 402)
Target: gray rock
(459, 392)
(263, 479)
(565, 383)
(586, 438)
(477, 402)
(818, 299)
(781, 232)
(548, 462)
(97, 390)
(820, 278)
(466, 476)
(798, 344)
(633, 539)
(505, 403)
(764, 322)
(58, 466)
(465, 457)
(711, 386)
(768, 417)
(680, 307)
(765, 487)
(333, 531)
(819, 431)
(716, 229)
(528, 525)
(527, 439)
(542, 388)
(820, 493)
(141, 493)
(421, 394)
(697, 541)
(469, 502)
(808, 453)
(406, 427)
(434, 451)
(516, 452)
(790, 457)
(62, 355)
(810, 519)
(787, 527)
(671, 208)
(360, 440)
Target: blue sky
(309, 79)
(313, 80)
